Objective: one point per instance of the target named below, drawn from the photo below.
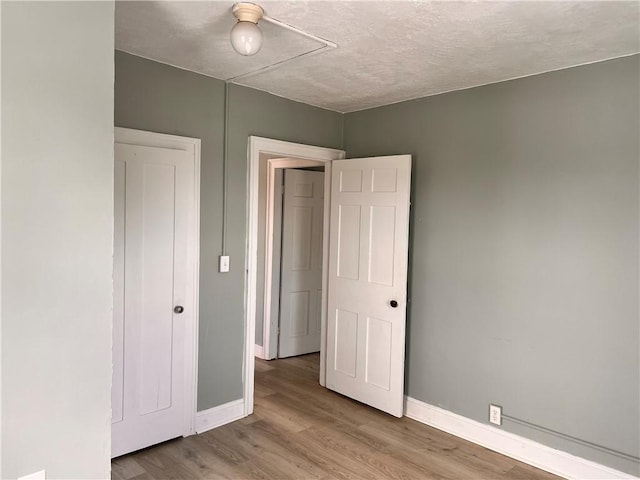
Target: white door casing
(301, 264)
(368, 247)
(275, 149)
(155, 270)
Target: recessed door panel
(378, 356)
(346, 334)
(303, 189)
(382, 235)
(299, 321)
(302, 230)
(384, 180)
(156, 346)
(348, 247)
(350, 180)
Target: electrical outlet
(495, 414)
(224, 263)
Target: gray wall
(155, 97)
(524, 248)
(524, 251)
(57, 231)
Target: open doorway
(271, 154)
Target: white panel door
(366, 311)
(301, 271)
(154, 190)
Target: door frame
(270, 247)
(161, 140)
(277, 149)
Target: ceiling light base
(247, 12)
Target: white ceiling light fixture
(246, 36)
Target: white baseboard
(41, 475)
(220, 415)
(514, 446)
(259, 351)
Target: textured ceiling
(388, 51)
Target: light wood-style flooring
(302, 431)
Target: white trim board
(259, 351)
(220, 415)
(533, 453)
(41, 475)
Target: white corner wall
(57, 222)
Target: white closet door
(366, 313)
(154, 191)
(301, 272)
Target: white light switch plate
(224, 263)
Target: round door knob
(178, 309)
(393, 304)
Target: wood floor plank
(296, 444)
(115, 474)
(254, 443)
(262, 391)
(203, 461)
(527, 472)
(159, 464)
(126, 468)
(263, 367)
(288, 419)
(143, 476)
(301, 431)
(380, 462)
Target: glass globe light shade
(246, 38)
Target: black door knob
(178, 309)
(393, 304)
